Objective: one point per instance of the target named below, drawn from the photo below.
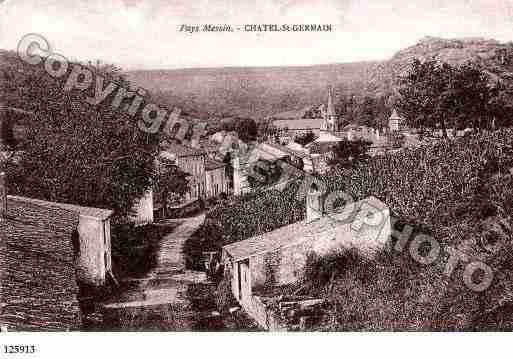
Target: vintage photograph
(255, 166)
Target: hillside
(260, 92)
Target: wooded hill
(264, 91)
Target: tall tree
(346, 153)
(437, 94)
(76, 152)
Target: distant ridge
(263, 91)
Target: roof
(395, 115)
(299, 124)
(38, 286)
(98, 213)
(211, 164)
(289, 150)
(292, 114)
(296, 233)
(328, 137)
(272, 152)
(209, 146)
(181, 150)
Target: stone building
(46, 250)
(208, 176)
(189, 160)
(395, 122)
(143, 209)
(328, 121)
(91, 233)
(278, 257)
(215, 178)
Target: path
(162, 299)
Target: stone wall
(216, 182)
(143, 209)
(91, 262)
(38, 287)
(286, 265)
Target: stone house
(278, 257)
(395, 122)
(91, 235)
(143, 209)
(46, 250)
(215, 178)
(208, 176)
(190, 160)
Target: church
(294, 123)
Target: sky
(139, 34)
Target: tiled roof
(38, 286)
(296, 232)
(210, 164)
(299, 124)
(288, 150)
(328, 137)
(182, 151)
(395, 115)
(98, 213)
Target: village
(383, 210)
(83, 289)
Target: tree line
(437, 95)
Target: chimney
(313, 204)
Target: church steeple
(330, 111)
(330, 116)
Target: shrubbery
(134, 249)
(436, 185)
(460, 191)
(257, 213)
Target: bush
(207, 238)
(256, 213)
(319, 271)
(134, 249)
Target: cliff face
(495, 58)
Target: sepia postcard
(307, 166)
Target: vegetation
(367, 110)
(170, 185)
(305, 138)
(264, 173)
(438, 95)
(134, 249)
(75, 152)
(346, 153)
(246, 128)
(460, 192)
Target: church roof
(395, 115)
(299, 124)
(327, 137)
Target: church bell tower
(330, 116)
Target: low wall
(262, 315)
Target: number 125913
(18, 349)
